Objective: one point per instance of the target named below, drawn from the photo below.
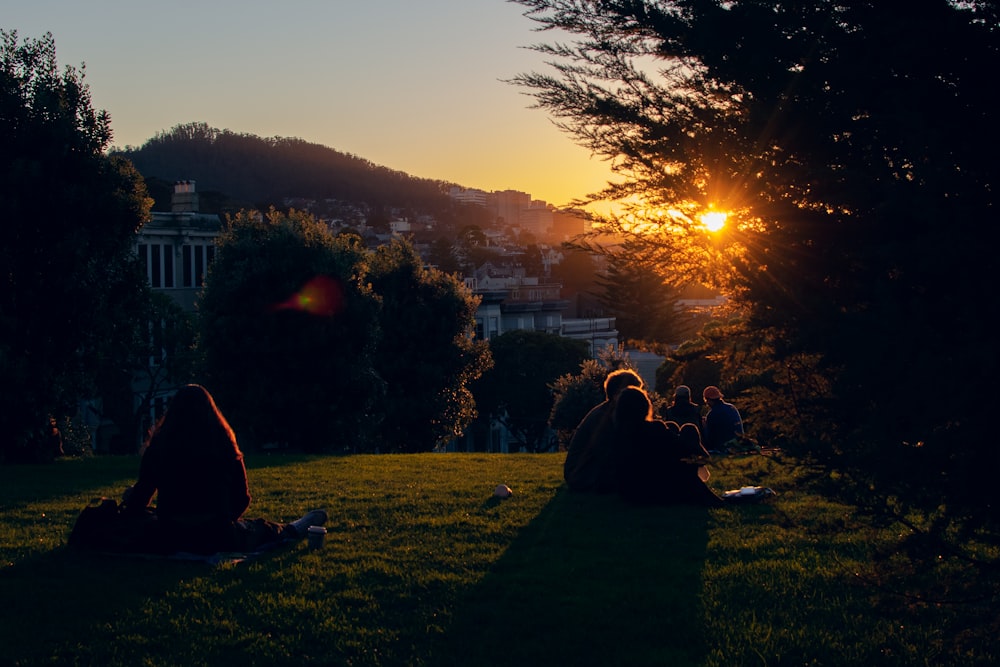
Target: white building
(176, 248)
(468, 196)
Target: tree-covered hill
(235, 170)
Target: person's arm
(138, 496)
(239, 490)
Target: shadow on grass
(590, 581)
(71, 601)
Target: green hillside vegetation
(235, 170)
(423, 566)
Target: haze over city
(416, 87)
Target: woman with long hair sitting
(194, 466)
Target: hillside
(233, 171)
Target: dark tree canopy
(72, 297)
(288, 330)
(426, 357)
(853, 146)
(517, 391)
(256, 171)
(313, 341)
(641, 299)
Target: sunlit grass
(424, 567)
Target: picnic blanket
(103, 528)
(216, 559)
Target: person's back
(590, 460)
(194, 488)
(723, 423)
(653, 456)
(684, 412)
(587, 460)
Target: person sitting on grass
(723, 426)
(657, 462)
(193, 464)
(589, 464)
(682, 411)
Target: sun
(713, 220)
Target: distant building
(400, 226)
(567, 224)
(536, 219)
(467, 196)
(511, 301)
(598, 332)
(176, 248)
(509, 204)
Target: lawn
(423, 566)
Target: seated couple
(619, 447)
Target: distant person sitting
(722, 425)
(589, 464)
(195, 467)
(682, 410)
(656, 464)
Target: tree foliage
(575, 394)
(312, 341)
(288, 329)
(72, 297)
(426, 356)
(847, 142)
(256, 171)
(517, 391)
(641, 299)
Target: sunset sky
(411, 85)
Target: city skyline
(415, 87)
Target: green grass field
(422, 566)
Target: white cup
(316, 536)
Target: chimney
(184, 198)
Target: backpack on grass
(102, 526)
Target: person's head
(682, 394)
(712, 394)
(632, 407)
(193, 420)
(618, 380)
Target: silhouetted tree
(532, 261)
(849, 143)
(575, 394)
(577, 273)
(426, 356)
(72, 297)
(517, 390)
(288, 329)
(245, 170)
(641, 299)
(171, 344)
(442, 255)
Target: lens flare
(322, 296)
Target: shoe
(313, 518)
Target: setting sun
(713, 220)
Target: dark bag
(103, 526)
